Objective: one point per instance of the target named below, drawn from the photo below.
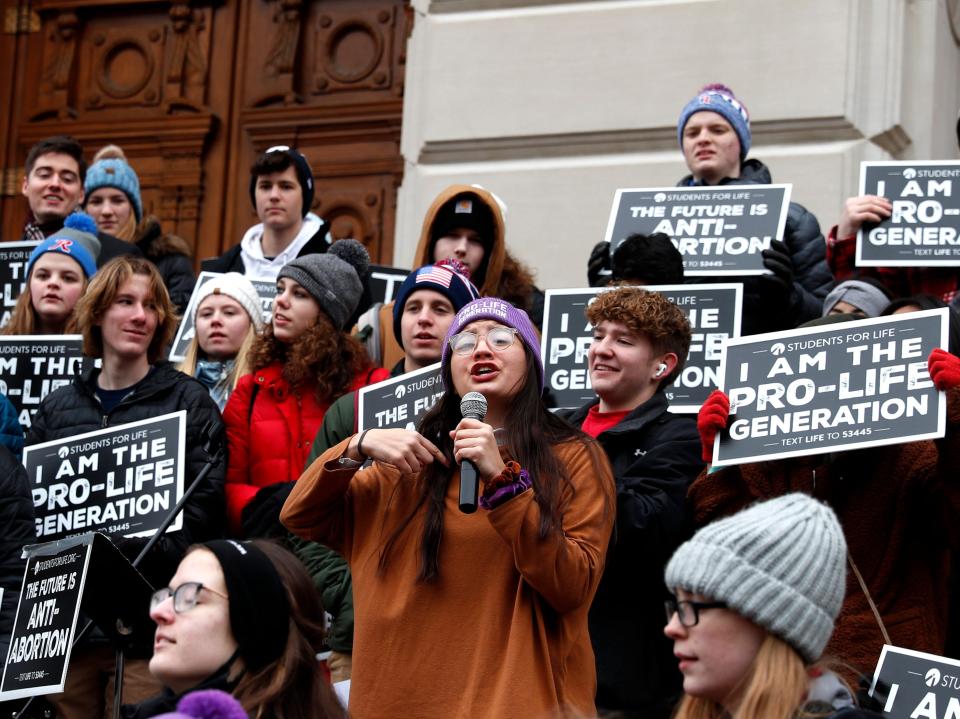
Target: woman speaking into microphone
(469, 614)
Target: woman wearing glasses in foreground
(242, 617)
(469, 615)
(756, 597)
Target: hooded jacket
(172, 256)
(75, 409)
(812, 277)
(501, 275)
(247, 257)
(655, 455)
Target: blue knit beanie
(77, 239)
(721, 100)
(115, 172)
(448, 278)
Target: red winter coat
(281, 425)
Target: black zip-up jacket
(75, 409)
(655, 455)
(16, 530)
(808, 254)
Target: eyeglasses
(185, 596)
(499, 339)
(688, 612)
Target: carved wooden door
(193, 90)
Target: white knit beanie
(237, 287)
(779, 563)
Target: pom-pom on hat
(449, 278)
(111, 169)
(779, 563)
(721, 100)
(207, 704)
(237, 287)
(334, 279)
(76, 239)
(493, 308)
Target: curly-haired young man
(640, 343)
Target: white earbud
(661, 368)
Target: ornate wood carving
(281, 60)
(56, 100)
(186, 77)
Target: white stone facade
(554, 105)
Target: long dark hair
(533, 433)
(293, 686)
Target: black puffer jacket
(655, 455)
(16, 530)
(171, 255)
(808, 253)
(75, 409)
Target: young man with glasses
(281, 190)
(640, 343)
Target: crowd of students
(549, 600)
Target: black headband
(259, 608)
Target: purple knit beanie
(493, 308)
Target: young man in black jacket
(640, 343)
(281, 190)
(127, 320)
(53, 185)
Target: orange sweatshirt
(503, 631)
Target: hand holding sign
(860, 210)
(944, 369)
(777, 260)
(711, 419)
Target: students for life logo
(932, 677)
(909, 173)
(778, 349)
(400, 391)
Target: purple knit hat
(493, 308)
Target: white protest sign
(916, 685)
(122, 480)
(718, 230)
(924, 225)
(838, 386)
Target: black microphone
(472, 406)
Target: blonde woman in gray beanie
(304, 360)
(755, 599)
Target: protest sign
(266, 289)
(46, 620)
(399, 401)
(924, 226)
(385, 281)
(718, 230)
(13, 273)
(33, 366)
(119, 480)
(713, 311)
(847, 385)
(916, 685)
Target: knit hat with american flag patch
(450, 278)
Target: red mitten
(711, 419)
(944, 369)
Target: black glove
(777, 260)
(261, 517)
(598, 266)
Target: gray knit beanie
(333, 279)
(779, 563)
